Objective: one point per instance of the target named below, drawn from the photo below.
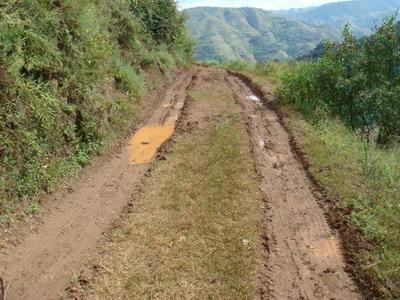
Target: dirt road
(42, 266)
(303, 259)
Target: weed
(55, 58)
(367, 180)
(33, 207)
(196, 226)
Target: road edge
(351, 238)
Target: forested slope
(360, 14)
(250, 34)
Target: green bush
(160, 20)
(351, 98)
(56, 60)
(127, 78)
(355, 80)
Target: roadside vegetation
(343, 108)
(356, 81)
(195, 228)
(350, 133)
(362, 179)
(71, 76)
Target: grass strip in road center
(196, 227)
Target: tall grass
(350, 101)
(259, 71)
(366, 180)
(56, 58)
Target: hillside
(360, 14)
(250, 34)
(71, 76)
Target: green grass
(71, 77)
(196, 226)
(260, 73)
(366, 179)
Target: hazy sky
(266, 4)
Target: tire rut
(42, 265)
(303, 255)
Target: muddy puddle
(146, 141)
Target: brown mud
(43, 263)
(304, 259)
(352, 240)
(303, 254)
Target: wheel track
(43, 263)
(304, 259)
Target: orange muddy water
(145, 143)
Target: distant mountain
(361, 14)
(251, 34)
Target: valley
(250, 34)
(257, 35)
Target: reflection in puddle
(146, 141)
(253, 98)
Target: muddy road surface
(42, 265)
(303, 257)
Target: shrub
(352, 95)
(356, 81)
(127, 78)
(55, 57)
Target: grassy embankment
(195, 230)
(366, 180)
(71, 77)
(359, 175)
